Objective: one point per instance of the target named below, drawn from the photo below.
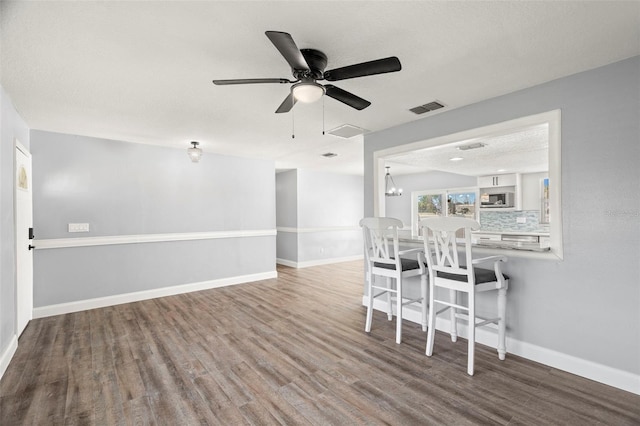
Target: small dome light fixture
(194, 152)
(307, 92)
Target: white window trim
(552, 118)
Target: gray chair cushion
(482, 276)
(407, 264)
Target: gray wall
(323, 202)
(586, 306)
(12, 127)
(122, 188)
(327, 200)
(287, 214)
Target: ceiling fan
(307, 67)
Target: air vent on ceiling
(330, 154)
(347, 131)
(431, 106)
(472, 146)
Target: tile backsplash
(508, 221)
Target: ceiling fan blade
(287, 104)
(346, 97)
(379, 66)
(287, 47)
(251, 81)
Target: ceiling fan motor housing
(317, 62)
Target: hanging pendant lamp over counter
(390, 189)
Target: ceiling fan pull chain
(293, 126)
(323, 115)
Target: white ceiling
(142, 71)
(522, 151)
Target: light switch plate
(78, 227)
(522, 219)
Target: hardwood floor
(288, 351)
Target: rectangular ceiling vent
(347, 131)
(431, 106)
(330, 154)
(472, 146)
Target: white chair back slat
(441, 232)
(381, 238)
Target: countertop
(534, 233)
(406, 237)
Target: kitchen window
(460, 202)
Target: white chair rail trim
(148, 238)
(591, 370)
(318, 229)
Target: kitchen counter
(508, 246)
(512, 245)
(535, 233)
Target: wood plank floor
(291, 350)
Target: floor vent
(330, 154)
(431, 106)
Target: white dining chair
(384, 259)
(459, 274)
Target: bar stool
(383, 259)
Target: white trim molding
(551, 118)
(148, 238)
(118, 299)
(8, 353)
(318, 229)
(581, 367)
(317, 262)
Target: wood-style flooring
(291, 351)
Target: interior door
(24, 252)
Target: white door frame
(23, 299)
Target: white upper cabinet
(497, 180)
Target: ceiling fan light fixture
(307, 92)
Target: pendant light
(390, 189)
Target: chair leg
(452, 311)
(423, 290)
(472, 333)
(398, 310)
(431, 330)
(502, 324)
(367, 326)
(389, 304)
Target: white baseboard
(101, 302)
(318, 262)
(8, 353)
(285, 262)
(591, 370)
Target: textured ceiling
(522, 151)
(142, 71)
